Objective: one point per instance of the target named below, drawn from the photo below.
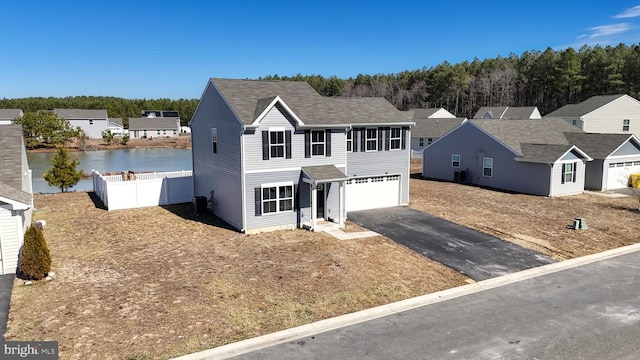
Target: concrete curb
(260, 342)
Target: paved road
(6, 285)
(586, 312)
(475, 254)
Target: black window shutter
(354, 140)
(258, 200)
(575, 171)
(287, 143)
(363, 141)
(404, 137)
(327, 139)
(307, 143)
(380, 139)
(296, 197)
(562, 177)
(265, 145)
(387, 138)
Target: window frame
(349, 140)
(421, 142)
(214, 140)
(397, 138)
(454, 161)
(485, 167)
(317, 144)
(625, 125)
(278, 200)
(273, 145)
(569, 169)
(371, 140)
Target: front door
(320, 201)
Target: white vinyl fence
(130, 190)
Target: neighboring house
(16, 196)
(607, 114)
(430, 113)
(278, 155)
(525, 156)
(160, 113)
(508, 113)
(429, 130)
(7, 115)
(93, 122)
(116, 127)
(154, 127)
(615, 157)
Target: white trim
(277, 199)
(324, 142)
(277, 99)
(367, 139)
(487, 167)
(392, 139)
(299, 168)
(459, 161)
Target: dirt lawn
(153, 283)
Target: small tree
(35, 260)
(107, 136)
(63, 174)
(125, 139)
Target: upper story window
(276, 144)
(421, 142)
(90, 122)
(214, 140)
(429, 141)
(625, 125)
(371, 139)
(455, 161)
(487, 167)
(157, 132)
(349, 140)
(395, 138)
(317, 142)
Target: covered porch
(322, 190)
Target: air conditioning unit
(459, 176)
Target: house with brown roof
(16, 196)
(8, 115)
(277, 155)
(525, 156)
(508, 112)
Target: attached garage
(618, 173)
(372, 192)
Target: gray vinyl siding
(473, 145)
(373, 163)
(333, 200)
(594, 174)
(256, 180)
(10, 241)
(276, 118)
(220, 172)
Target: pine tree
(35, 260)
(63, 174)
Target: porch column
(341, 204)
(314, 206)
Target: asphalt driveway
(475, 254)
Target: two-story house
(278, 155)
(93, 122)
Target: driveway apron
(6, 285)
(475, 254)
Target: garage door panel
(618, 174)
(372, 192)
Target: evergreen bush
(35, 260)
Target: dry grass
(153, 283)
(533, 221)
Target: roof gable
(441, 113)
(585, 107)
(599, 146)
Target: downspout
(550, 179)
(243, 182)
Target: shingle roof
(10, 113)
(159, 123)
(117, 121)
(434, 128)
(585, 107)
(598, 146)
(70, 114)
(324, 173)
(248, 99)
(12, 147)
(542, 153)
(542, 132)
(426, 113)
(495, 112)
(505, 112)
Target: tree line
(547, 79)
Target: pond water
(136, 160)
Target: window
(277, 199)
(144, 134)
(350, 141)
(574, 122)
(175, 132)
(214, 139)
(625, 125)
(164, 132)
(569, 172)
(90, 122)
(487, 167)
(421, 142)
(317, 143)
(455, 161)
(276, 143)
(157, 132)
(429, 141)
(395, 138)
(371, 139)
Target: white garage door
(619, 172)
(372, 192)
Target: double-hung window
(214, 140)
(371, 139)
(625, 125)
(276, 144)
(455, 161)
(277, 198)
(487, 167)
(395, 138)
(349, 140)
(421, 142)
(569, 172)
(317, 143)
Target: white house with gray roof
(8, 115)
(525, 156)
(16, 196)
(92, 122)
(278, 155)
(606, 114)
(154, 127)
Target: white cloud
(629, 13)
(607, 30)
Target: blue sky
(168, 49)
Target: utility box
(580, 224)
(199, 205)
(459, 176)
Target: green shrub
(35, 260)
